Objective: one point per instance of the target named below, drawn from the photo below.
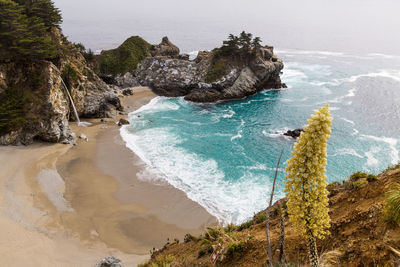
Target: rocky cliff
(212, 76)
(34, 103)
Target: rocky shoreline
(42, 110)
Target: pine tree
(45, 11)
(23, 37)
(305, 181)
(13, 30)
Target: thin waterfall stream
(73, 106)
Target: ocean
(223, 155)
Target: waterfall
(73, 106)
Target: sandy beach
(65, 205)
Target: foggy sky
(356, 26)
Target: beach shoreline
(78, 204)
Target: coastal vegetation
(360, 235)
(25, 38)
(235, 51)
(25, 30)
(392, 205)
(307, 196)
(12, 114)
(124, 58)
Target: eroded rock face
(165, 49)
(47, 116)
(48, 109)
(178, 76)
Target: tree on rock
(305, 181)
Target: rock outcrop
(46, 111)
(294, 133)
(36, 102)
(165, 49)
(170, 75)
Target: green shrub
(125, 58)
(201, 253)
(392, 205)
(70, 76)
(357, 176)
(218, 68)
(260, 217)
(12, 112)
(230, 228)
(163, 261)
(392, 167)
(332, 185)
(245, 225)
(371, 178)
(212, 233)
(235, 249)
(357, 184)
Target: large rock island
(241, 67)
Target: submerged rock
(294, 133)
(109, 261)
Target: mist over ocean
(223, 155)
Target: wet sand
(64, 205)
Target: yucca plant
(392, 205)
(306, 181)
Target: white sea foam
(229, 115)
(198, 177)
(308, 52)
(278, 133)
(391, 142)
(347, 120)
(347, 151)
(371, 160)
(193, 55)
(391, 74)
(158, 103)
(293, 76)
(239, 135)
(383, 55)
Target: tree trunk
(282, 257)
(312, 252)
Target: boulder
(109, 261)
(127, 91)
(122, 122)
(126, 80)
(165, 49)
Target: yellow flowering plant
(306, 181)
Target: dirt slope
(359, 235)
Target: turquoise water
(223, 155)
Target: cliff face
(45, 109)
(34, 103)
(171, 74)
(359, 234)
